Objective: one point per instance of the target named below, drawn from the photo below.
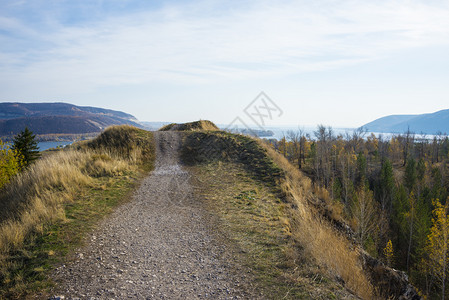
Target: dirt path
(161, 245)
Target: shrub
(10, 163)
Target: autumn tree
(437, 261)
(365, 214)
(10, 163)
(389, 253)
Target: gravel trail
(160, 245)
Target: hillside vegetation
(393, 192)
(45, 210)
(263, 203)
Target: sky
(340, 63)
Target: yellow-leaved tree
(437, 248)
(389, 253)
(10, 163)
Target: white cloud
(194, 43)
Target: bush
(10, 163)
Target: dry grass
(315, 246)
(192, 126)
(320, 240)
(34, 197)
(39, 196)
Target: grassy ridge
(45, 211)
(203, 147)
(264, 203)
(192, 126)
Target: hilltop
(59, 118)
(432, 123)
(191, 126)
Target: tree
(295, 138)
(410, 175)
(389, 253)
(407, 142)
(9, 163)
(410, 216)
(365, 214)
(386, 185)
(421, 173)
(361, 169)
(438, 246)
(26, 145)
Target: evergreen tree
(26, 145)
(399, 226)
(386, 185)
(361, 169)
(410, 174)
(410, 216)
(421, 173)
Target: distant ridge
(432, 123)
(59, 118)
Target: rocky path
(160, 245)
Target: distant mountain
(433, 123)
(59, 118)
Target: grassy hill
(191, 126)
(45, 211)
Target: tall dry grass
(329, 248)
(36, 197)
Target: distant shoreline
(55, 137)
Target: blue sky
(341, 63)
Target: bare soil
(163, 244)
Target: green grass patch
(255, 219)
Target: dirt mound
(191, 126)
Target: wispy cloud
(203, 42)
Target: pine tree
(410, 175)
(386, 185)
(26, 145)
